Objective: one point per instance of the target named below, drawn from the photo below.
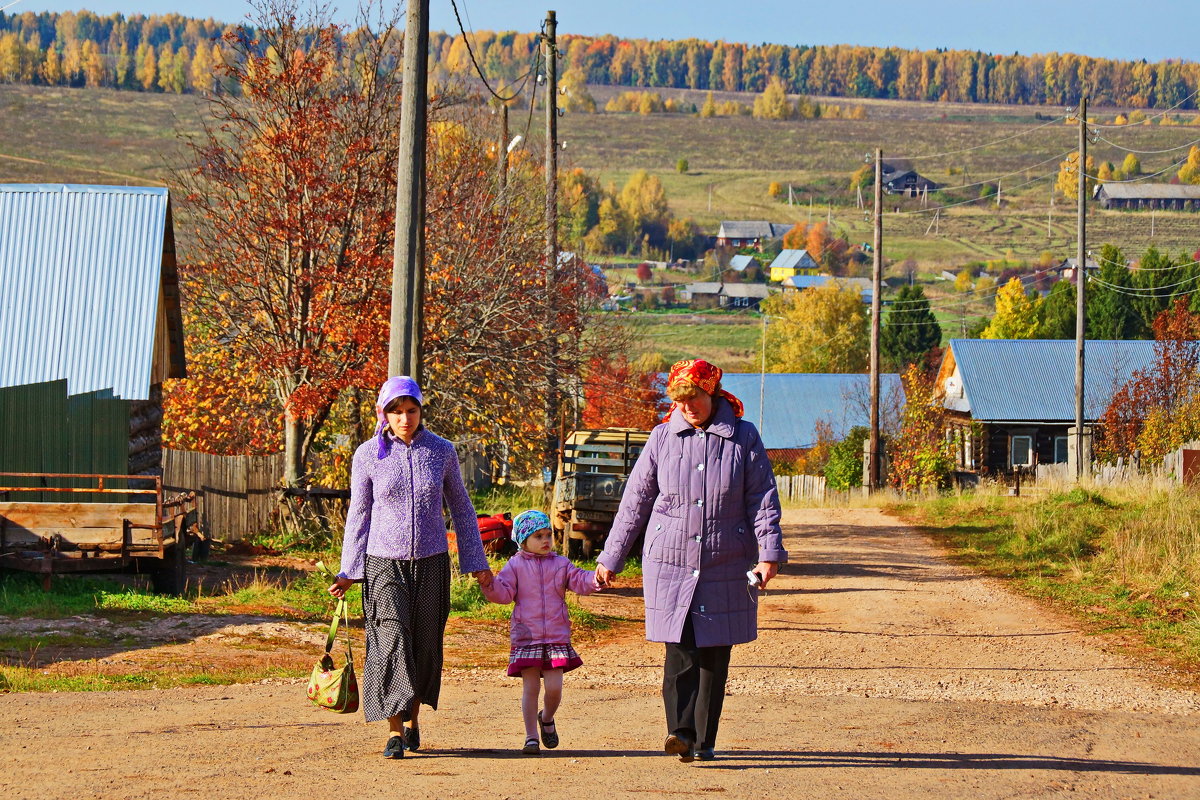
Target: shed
(1010, 402)
(739, 263)
(743, 295)
(1173, 196)
(794, 404)
(90, 326)
(704, 294)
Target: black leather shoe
(412, 739)
(395, 747)
(679, 746)
(705, 754)
(549, 737)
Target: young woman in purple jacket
(396, 545)
(703, 492)
(536, 580)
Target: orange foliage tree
(289, 190)
(1157, 409)
(618, 395)
(920, 457)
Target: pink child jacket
(539, 586)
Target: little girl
(537, 580)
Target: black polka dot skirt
(405, 606)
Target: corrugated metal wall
(44, 430)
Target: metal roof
(795, 402)
(740, 262)
(1034, 379)
(80, 273)
(703, 287)
(1149, 191)
(753, 229)
(745, 290)
(793, 259)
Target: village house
(796, 404)
(750, 233)
(1011, 403)
(1162, 196)
(740, 263)
(90, 327)
(799, 283)
(906, 182)
(711, 294)
(790, 263)
(1069, 268)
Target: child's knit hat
(527, 523)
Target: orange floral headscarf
(704, 376)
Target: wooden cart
(145, 532)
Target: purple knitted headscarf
(398, 386)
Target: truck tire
(170, 575)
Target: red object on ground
(495, 530)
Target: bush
(844, 469)
(681, 166)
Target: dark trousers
(694, 688)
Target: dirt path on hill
(882, 671)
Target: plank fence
(793, 488)
(236, 493)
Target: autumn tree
(909, 331)
(1190, 171)
(1067, 183)
(920, 457)
(576, 97)
(291, 187)
(1017, 314)
(617, 394)
(1131, 167)
(773, 103)
(818, 330)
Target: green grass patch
(23, 679)
(1124, 560)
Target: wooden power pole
(1080, 286)
(408, 259)
(876, 284)
(502, 148)
(550, 456)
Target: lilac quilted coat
(708, 505)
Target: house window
(1022, 451)
(1060, 449)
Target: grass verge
(1125, 561)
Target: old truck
(142, 530)
(592, 472)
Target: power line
(1140, 178)
(1054, 121)
(978, 199)
(479, 71)
(1162, 113)
(1146, 152)
(1141, 291)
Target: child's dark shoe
(412, 739)
(549, 732)
(395, 747)
(531, 747)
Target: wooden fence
(793, 488)
(236, 493)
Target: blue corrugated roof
(1034, 379)
(80, 268)
(795, 402)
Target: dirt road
(881, 671)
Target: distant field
(731, 342)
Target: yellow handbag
(328, 686)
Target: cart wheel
(170, 576)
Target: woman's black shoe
(395, 747)
(705, 754)
(412, 739)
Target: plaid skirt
(544, 656)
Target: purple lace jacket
(396, 504)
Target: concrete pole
(876, 286)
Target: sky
(1151, 30)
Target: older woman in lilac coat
(704, 494)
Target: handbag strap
(341, 612)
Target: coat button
(695, 573)
(658, 527)
(701, 609)
(697, 537)
(700, 467)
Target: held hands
(604, 576)
(766, 570)
(339, 587)
(484, 576)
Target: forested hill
(159, 53)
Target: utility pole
(408, 258)
(1080, 285)
(876, 281)
(502, 148)
(550, 456)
